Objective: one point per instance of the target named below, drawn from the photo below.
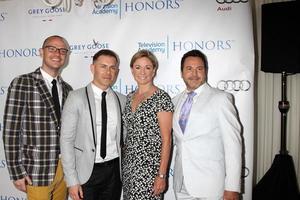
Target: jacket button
(93, 150)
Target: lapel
(45, 94)
(118, 107)
(65, 91)
(178, 105)
(201, 96)
(92, 110)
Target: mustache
(194, 78)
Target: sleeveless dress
(141, 154)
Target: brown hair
(106, 52)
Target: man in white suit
(91, 157)
(208, 141)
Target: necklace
(139, 98)
(144, 95)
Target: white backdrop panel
(222, 29)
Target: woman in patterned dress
(148, 119)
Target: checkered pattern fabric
(31, 129)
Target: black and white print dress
(141, 155)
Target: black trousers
(104, 183)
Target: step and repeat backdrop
(222, 29)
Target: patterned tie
(55, 99)
(104, 126)
(185, 110)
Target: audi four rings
(234, 85)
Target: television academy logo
(234, 85)
(100, 4)
(231, 1)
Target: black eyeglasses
(52, 49)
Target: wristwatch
(162, 176)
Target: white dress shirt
(111, 142)
(48, 79)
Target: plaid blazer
(31, 129)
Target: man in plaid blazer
(32, 126)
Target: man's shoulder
(121, 98)
(67, 86)
(78, 92)
(220, 95)
(77, 96)
(120, 95)
(176, 98)
(177, 95)
(26, 79)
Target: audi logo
(234, 85)
(231, 1)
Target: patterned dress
(141, 160)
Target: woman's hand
(159, 186)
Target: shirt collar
(48, 77)
(198, 90)
(98, 91)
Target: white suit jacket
(208, 154)
(77, 142)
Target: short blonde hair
(144, 53)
